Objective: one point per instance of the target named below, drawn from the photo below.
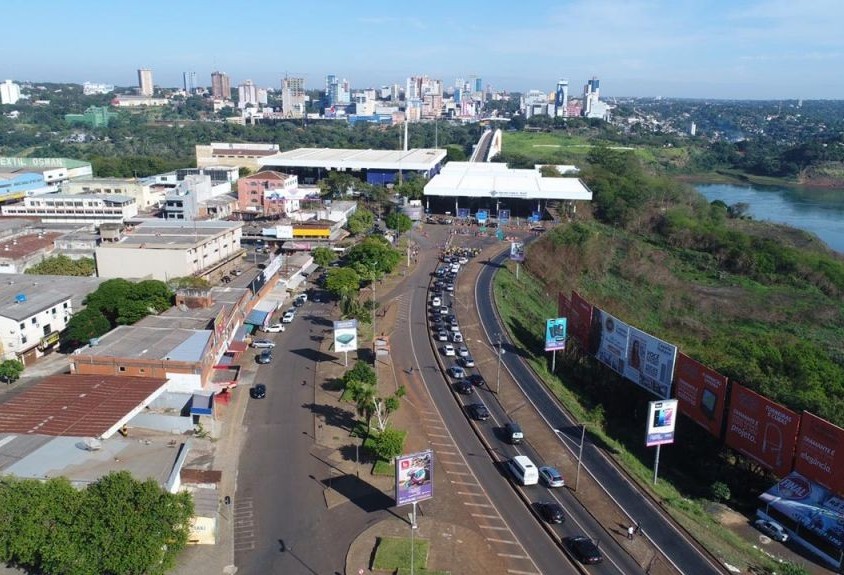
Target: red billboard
(761, 429)
(820, 452)
(701, 392)
(580, 320)
(563, 305)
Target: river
(820, 211)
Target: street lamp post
(500, 353)
(579, 452)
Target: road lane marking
(444, 452)
(507, 541)
(514, 572)
(464, 482)
(442, 444)
(494, 527)
(486, 516)
(457, 472)
(512, 556)
(472, 493)
(476, 504)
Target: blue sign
(503, 217)
(463, 213)
(535, 217)
(482, 216)
(555, 334)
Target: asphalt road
(283, 473)
(674, 544)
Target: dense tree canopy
(62, 265)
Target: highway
(679, 550)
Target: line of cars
(445, 330)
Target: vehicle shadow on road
(333, 416)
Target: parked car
(288, 316)
(266, 356)
(772, 529)
(456, 372)
(262, 344)
(225, 279)
(258, 391)
(467, 361)
(274, 328)
(583, 549)
(448, 350)
(463, 387)
(551, 477)
(478, 411)
(551, 511)
(236, 272)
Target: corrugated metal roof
(191, 349)
(257, 317)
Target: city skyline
(762, 49)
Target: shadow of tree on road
(333, 416)
(359, 492)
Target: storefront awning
(257, 317)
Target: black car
(266, 356)
(476, 379)
(463, 387)
(551, 511)
(259, 391)
(583, 549)
(478, 411)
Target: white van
(524, 470)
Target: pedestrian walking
(630, 531)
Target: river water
(820, 211)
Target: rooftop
(152, 343)
(267, 175)
(76, 405)
(343, 159)
(164, 234)
(21, 246)
(42, 289)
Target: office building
(93, 88)
(76, 209)
(94, 117)
(145, 85)
(561, 99)
(337, 92)
(593, 107)
(189, 79)
(247, 93)
(10, 93)
(221, 87)
(293, 97)
(141, 190)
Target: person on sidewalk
(630, 531)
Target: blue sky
(769, 49)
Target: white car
(288, 316)
(457, 337)
(772, 529)
(463, 351)
(274, 328)
(436, 302)
(448, 350)
(442, 335)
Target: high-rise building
(561, 99)
(479, 85)
(190, 82)
(247, 93)
(221, 87)
(10, 92)
(331, 87)
(293, 97)
(592, 105)
(145, 85)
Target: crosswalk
(244, 526)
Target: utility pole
(498, 373)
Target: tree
(361, 221)
(374, 253)
(10, 370)
(342, 282)
(323, 256)
(454, 154)
(389, 444)
(62, 265)
(337, 184)
(84, 325)
(398, 221)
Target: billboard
(503, 217)
(563, 305)
(609, 340)
(517, 251)
(580, 320)
(662, 418)
(812, 508)
(650, 362)
(820, 452)
(702, 393)
(482, 216)
(463, 213)
(414, 477)
(761, 429)
(534, 217)
(555, 334)
(346, 335)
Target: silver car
(772, 529)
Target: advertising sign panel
(414, 477)
(701, 392)
(761, 429)
(580, 320)
(555, 334)
(609, 339)
(503, 217)
(534, 217)
(463, 213)
(813, 508)
(517, 251)
(820, 452)
(346, 335)
(662, 418)
(482, 216)
(650, 362)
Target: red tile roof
(75, 405)
(266, 175)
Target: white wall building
(75, 209)
(141, 190)
(31, 318)
(163, 249)
(10, 93)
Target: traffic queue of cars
(459, 365)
